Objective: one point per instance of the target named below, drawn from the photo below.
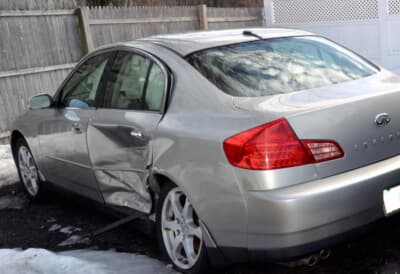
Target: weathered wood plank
(203, 20)
(141, 20)
(233, 19)
(38, 41)
(225, 18)
(4, 135)
(30, 13)
(87, 39)
(12, 73)
(37, 4)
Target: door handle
(135, 133)
(76, 127)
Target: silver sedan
(240, 145)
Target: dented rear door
(120, 133)
(120, 150)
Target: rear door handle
(135, 133)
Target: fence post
(203, 20)
(87, 41)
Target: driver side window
(81, 89)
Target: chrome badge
(382, 119)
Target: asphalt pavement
(46, 224)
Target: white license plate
(391, 200)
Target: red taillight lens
(275, 145)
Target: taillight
(275, 145)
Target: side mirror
(41, 102)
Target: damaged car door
(119, 134)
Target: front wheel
(27, 170)
(179, 232)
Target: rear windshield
(281, 65)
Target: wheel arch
(14, 137)
(157, 182)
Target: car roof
(187, 43)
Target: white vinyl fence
(370, 27)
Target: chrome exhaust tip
(324, 254)
(311, 260)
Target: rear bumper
(295, 221)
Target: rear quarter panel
(187, 148)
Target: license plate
(391, 200)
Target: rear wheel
(179, 232)
(27, 170)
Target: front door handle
(135, 133)
(76, 127)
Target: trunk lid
(344, 113)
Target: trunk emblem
(382, 119)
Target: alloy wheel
(28, 171)
(181, 231)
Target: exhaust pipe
(324, 254)
(311, 260)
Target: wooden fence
(211, 3)
(39, 47)
(38, 4)
(108, 24)
(72, 4)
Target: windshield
(281, 65)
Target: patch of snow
(74, 240)
(12, 202)
(40, 261)
(52, 220)
(55, 227)
(65, 230)
(8, 171)
(69, 230)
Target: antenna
(250, 33)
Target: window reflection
(282, 65)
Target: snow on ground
(66, 230)
(8, 172)
(74, 240)
(40, 261)
(12, 201)
(55, 227)
(69, 230)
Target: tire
(185, 229)
(28, 171)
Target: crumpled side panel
(124, 188)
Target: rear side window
(127, 81)
(281, 65)
(135, 83)
(155, 89)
